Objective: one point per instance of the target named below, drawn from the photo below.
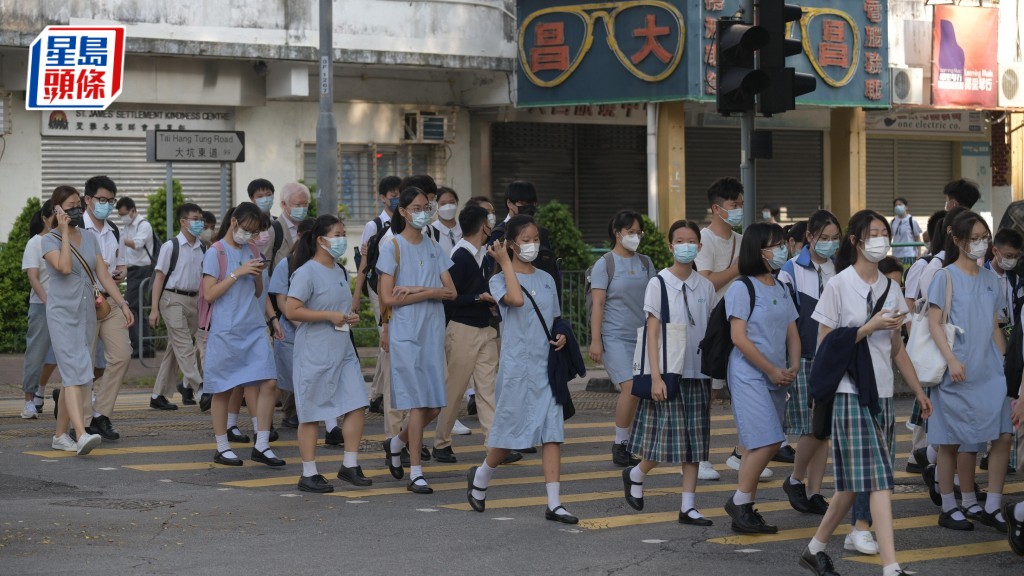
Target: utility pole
(326, 129)
(748, 175)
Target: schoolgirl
(971, 406)
(806, 276)
(617, 310)
(762, 366)
(677, 429)
(238, 353)
(413, 281)
(526, 413)
(864, 305)
(38, 361)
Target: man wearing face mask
(448, 228)
(139, 256)
(521, 198)
(904, 230)
(209, 228)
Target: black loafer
(627, 486)
(445, 455)
(419, 488)
(921, 459)
(620, 455)
(377, 405)
(273, 434)
(946, 521)
(819, 505)
(989, 519)
(554, 516)
(353, 476)
(797, 494)
(1014, 529)
(746, 520)
(527, 450)
(262, 458)
(102, 426)
(334, 437)
(973, 513)
(475, 504)
(929, 481)
(188, 397)
(220, 458)
(819, 563)
(205, 401)
(424, 454)
(512, 457)
(396, 471)
(316, 484)
(290, 422)
(785, 454)
(235, 435)
(685, 518)
(161, 403)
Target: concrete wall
(20, 165)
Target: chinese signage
(592, 53)
(195, 146)
(75, 68)
(962, 122)
(124, 122)
(964, 65)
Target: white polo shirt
(188, 270)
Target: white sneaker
(766, 475)
(460, 429)
(861, 541)
(64, 442)
(707, 472)
(87, 442)
(29, 411)
(733, 461)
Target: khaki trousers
(472, 353)
(118, 353)
(393, 419)
(181, 317)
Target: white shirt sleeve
(143, 235)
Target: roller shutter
(914, 169)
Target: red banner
(964, 64)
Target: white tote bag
(929, 363)
(676, 341)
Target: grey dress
(71, 312)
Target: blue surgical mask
(735, 217)
(826, 248)
(901, 209)
(684, 253)
(393, 204)
(338, 246)
(101, 211)
(195, 227)
(420, 220)
(298, 213)
(780, 255)
(265, 203)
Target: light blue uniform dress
(416, 331)
(623, 311)
(71, 312)
(976, 410)
(526, 413)
(327, 378)
(237, 350)
(759, 406)
(283, 348)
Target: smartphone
(342, 328)
(899, 314)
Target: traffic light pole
(326, 129)
(747, 169)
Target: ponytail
(306, 247)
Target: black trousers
(136, 274)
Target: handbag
(671, 373)
(568, 409)
(924, 353)
(102, 306)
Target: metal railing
(141, 311)
(574, 304)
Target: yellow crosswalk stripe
(940, 553)
(807, 533)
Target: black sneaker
(161, 403)
(205, 401)
(797, 494)
(621, 456)
(818, 505)
(377, 405)
(316, 484)
(785, 454)
(334, 437)
(746, 520)
(101, 425)
(819, 563)
(445, 455)
(188, 396)
(354, 476)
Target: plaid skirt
(798, 413)
(677, 430)
(862, 454)
(915, 414)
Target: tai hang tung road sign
(195, 146)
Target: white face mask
(448, 211)
(528, 252)
(491, 220)
(977, 250)
(242, 236)
(631, 242)
(206, 235)
(876, 248)
(1007, 263)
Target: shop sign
(965, 42)
(934, 122)
(133, 122)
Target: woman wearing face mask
(78, 270)
(676, 430)
(320, 301)
(526, 413)
(806, 277)
(447, 223)
(413, 281)
(760, 372)
(38, 364)
(618, 281)
(238, 353)
(971, 406)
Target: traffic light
(738, 79)
(784, 84)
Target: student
(521, 199)
(806, 277)
(37, 370)
(209, 228)
(718, 262)
(139, 256)
(78, 272)
(413, 281)
(796, 236)
(762, 366)
(971, 406)
(526, 414)
(237, 350)
(319, 301)
(492, 221)
(862, 300)
(617, 312)
(904, 231)
(1006, 249)
(770, 213)
(676, 430)
(447, 225)
(963, 193)
(1014, 513)
(175, 299)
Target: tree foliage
(14, 286)
(157, 213)
(655, 245)
(565, 237)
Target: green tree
(14, 286)
(157, 212)
(655, 245)
(565, 237)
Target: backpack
(278, 242)
(1013, 367)
(717, 344)
(609, 262)
(372, 254)
(206, 308)
(175, 250)
(156, 245)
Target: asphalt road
(154, 503)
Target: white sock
(351, 459)
(741, 498)
(554, 499)
(331, 424)
(222, 443)
(785, 443)
(309, 469)
(956, 480)
(621, 435)
(482, 479)
(154, 396)
(949, 505)
(416, 473)
(891, 570)
(95, 414)
(1018, 512)
(637, 475)
(263, 443)
(232, 419)
(255, 426)
(969, 500)
(993, 502)
(794, 481)
(396, 449)
(816, 546)
(933, 455)
(688, 506)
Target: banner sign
(75, 68)
(965, 42)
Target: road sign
(195, 146)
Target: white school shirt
(700, 293)
(448, 236)
(904, 230)
(33, 258)
(478, 253)
(188, 271)
(920, 275)
(371, 230)
(110, 248)
(844, 304)
(717, 254)
(140, 232)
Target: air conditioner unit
(907, 85)
(426, 127)
(1011, 85)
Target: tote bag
(673, 350)
(924, 353)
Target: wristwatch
(232, 276)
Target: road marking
(108, 469)
(807, 533)
(427, 510)
(747, 550)
(940, 553)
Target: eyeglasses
(103, 200)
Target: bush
(565, 237)
(157, 213)
(655, 245)
(14, 286)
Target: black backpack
(717, 344)
(156, 246)
(1013, 366)
(372, 254)
(175, 250)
